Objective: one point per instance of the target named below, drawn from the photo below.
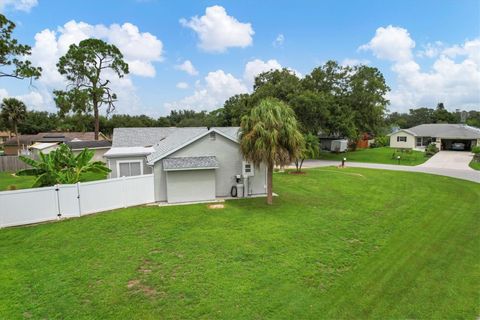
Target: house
(445, 136)
(4, 136)
(328, 142)
(188, 164)
(45, 141)
(99, 147)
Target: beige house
(445, 136)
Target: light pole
(398, 158)
(343, 162)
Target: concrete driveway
(457, 160)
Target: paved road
(469, 174)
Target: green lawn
(337, 243)
(475, 165)
(8, 179)
(378, 155)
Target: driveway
(457, 160)
(465, 174)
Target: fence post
(57, 195)
(78, 200)
(125, 193)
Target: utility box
(339, 145)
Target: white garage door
(190, 185)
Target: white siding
(409, 144)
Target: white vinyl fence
(73, 200)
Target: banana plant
(62, 166)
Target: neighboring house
(4, 136)
(99, 147)
(327, 141)
(442, 134)
(27, 141)
(189, 164)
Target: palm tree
(61, 166)
(270, 135)
(13, 112)
(310, 150)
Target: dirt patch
(133, 283)
(216, 206)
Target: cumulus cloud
(182, 85)
(217, 31)
(391, 43)
(257, 66)
(279, 40)
(454, 77)
(188, 67)
(140, 49)
(218, 86)
(18, 5)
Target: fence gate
(68, 200)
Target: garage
(190, 179)
(457, 144)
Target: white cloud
(453, 79)
(257, 66)
(140, 49)
(216, 87)
(218, 31)
(182, 85)
(391, 43)
(354, 62)
(188, 67)
(18, 5)
(279, 40)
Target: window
(212, 135)
(401, 139)
(129, 168)
(419, 142)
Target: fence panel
(68, 200)
(28, 206)
(44, 204)
(139, 190)
(12, 164)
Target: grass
(475, 165)
(8, 179)
(337, 244)
(383, 155)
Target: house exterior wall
(230, 161)
(98, 154)
(112, 164)
(409, 144)
(190, 185)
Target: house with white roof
(445, 136)
(188, 164)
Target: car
(458, 146)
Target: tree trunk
(97, 120)
(15, 127)
(269, 184)
(301, 165)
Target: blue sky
(429, 51)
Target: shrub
(476, 150)
(431, 150)
(380, 141)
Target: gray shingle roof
(139, 137)
(446, 131)
(88, 144)
(184, 163)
